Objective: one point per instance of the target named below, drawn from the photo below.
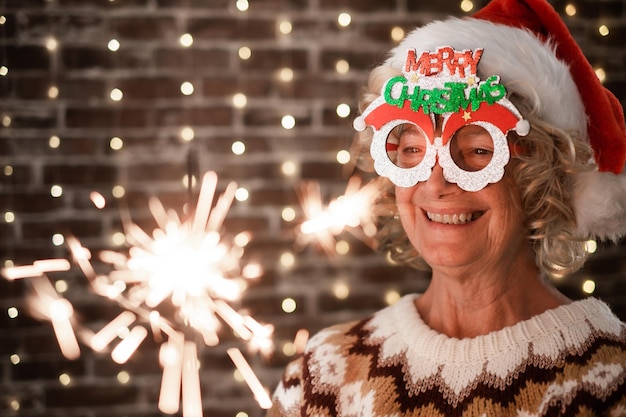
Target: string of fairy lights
(323, 224)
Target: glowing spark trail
(351, 210)
(187, 265)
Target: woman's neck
(462, 306)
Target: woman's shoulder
(338, 335)
(350, 333)
(586, 318)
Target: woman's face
(451, 227)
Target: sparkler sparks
(190, 268)
(185, 264)
(352, 211)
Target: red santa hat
(528, 45)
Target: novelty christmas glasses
(440, 112)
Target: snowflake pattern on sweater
(570, 361)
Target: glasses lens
(406, 145)
(471, 148)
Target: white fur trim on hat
(524, 63)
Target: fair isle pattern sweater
(570, 361)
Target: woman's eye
(472, 148)
(480, 151)
(406, 145)
(410, 156)
(411, 149)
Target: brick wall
(58, 120)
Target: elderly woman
(503, 154)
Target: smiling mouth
(462, 218)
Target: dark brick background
(149, 68)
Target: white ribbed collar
(405, 338)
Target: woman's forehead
(472, 130)
(411, 128)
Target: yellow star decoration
(471, 81)
(414, 78)
(467, 116)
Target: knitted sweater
(569, 361)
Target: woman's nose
(437, 183)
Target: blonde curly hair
(544, 176)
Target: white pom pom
(600, 204)
(359, 124)
(522, 127)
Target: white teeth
(450, 218)
(435, 217)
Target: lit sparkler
(185, 264)
(351, 211)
